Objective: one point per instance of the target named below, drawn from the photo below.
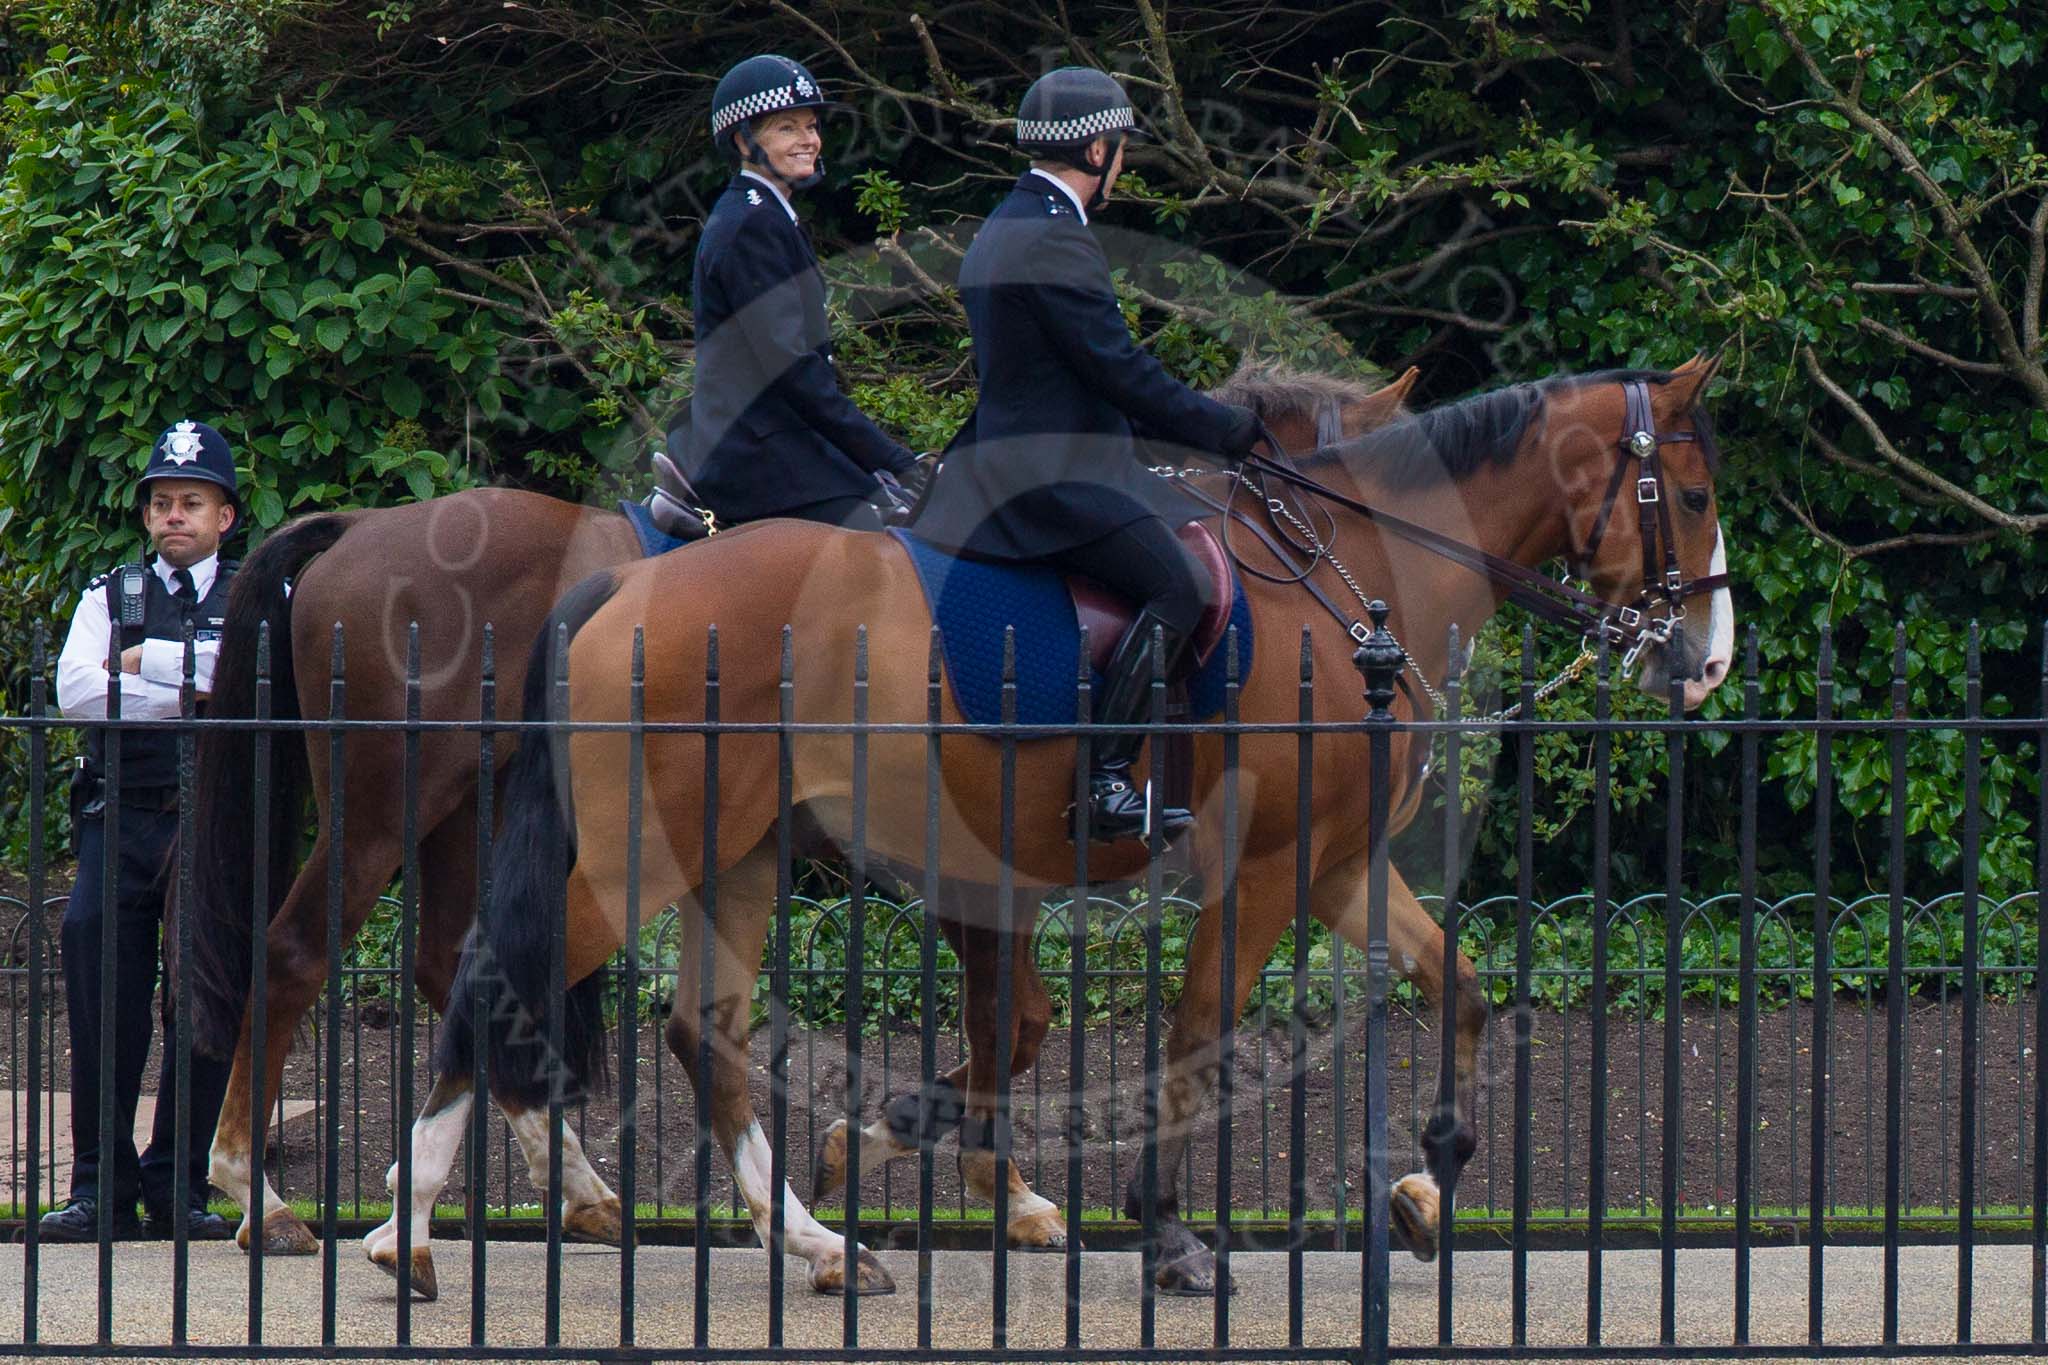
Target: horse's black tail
(506, 958)
(224, 858)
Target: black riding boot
(1117, 804)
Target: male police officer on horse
(188, 505)
(1047, 470)
(771, 434)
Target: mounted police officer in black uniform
(188, 502)
(771, 433)
(1047, 470)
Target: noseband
(1651, 618)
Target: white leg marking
(753, 1167)
(878, 1147)
(229, 1172)
(436, 1138)
(581, 1186)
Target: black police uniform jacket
(770, 429)
(1049, 459)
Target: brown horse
(451, 565)
(1524, 474)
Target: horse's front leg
(1420, 1201)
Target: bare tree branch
(1910, 541)
(1934, 353)
(2023, 367)
(1955, 493)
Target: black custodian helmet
(1071, 107)
(191, 450)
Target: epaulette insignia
(1053, 205)
(754, 198)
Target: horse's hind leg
(1185, 1264)
(590, 1211)
(920, 1118)
(436, 1138)
(746, 904)
(1415, 952)
(448, 871)
(296, 966)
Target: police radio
(131, 595)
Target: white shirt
(773, 189)
(1066, 189)
(151, 694)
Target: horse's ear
(1382, 406)
(1687, 385)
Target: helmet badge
(804, 88)
(181, 443)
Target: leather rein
(1651, 618)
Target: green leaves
(118, 324)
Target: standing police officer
(772, 435)
(188, 506)
(1047, 470)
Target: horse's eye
(1695, 499)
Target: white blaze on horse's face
(1655, 678)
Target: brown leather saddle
(1107, 616)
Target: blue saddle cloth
(653, 540)
(973, 600)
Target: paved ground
(961, 1310)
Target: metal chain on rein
(1571, 673)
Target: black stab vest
(149, 758)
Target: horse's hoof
(1190, 1276)
(829, 1276)
(828, 1176)
(601, 1223)
(425, 1284)
(283, 1235)
(1041, 1231)
(1413, 1207)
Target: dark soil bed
(1561, 1083)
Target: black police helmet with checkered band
(766, 84)
(1071, 107)
(191, 450)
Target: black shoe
(1118, 808)
(79, 1221)
(205, 1225)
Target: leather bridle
(1651, 618)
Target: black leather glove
(916, 476)
(1241, 435)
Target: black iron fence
(1881, 1088)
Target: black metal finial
(1379, 658)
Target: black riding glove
(916, 476)
(1242, 435)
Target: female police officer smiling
(771, 434)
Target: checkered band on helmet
(1073, 105)
(763, 85)
(1076, 129)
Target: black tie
(186, 593)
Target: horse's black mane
(1456, 440)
